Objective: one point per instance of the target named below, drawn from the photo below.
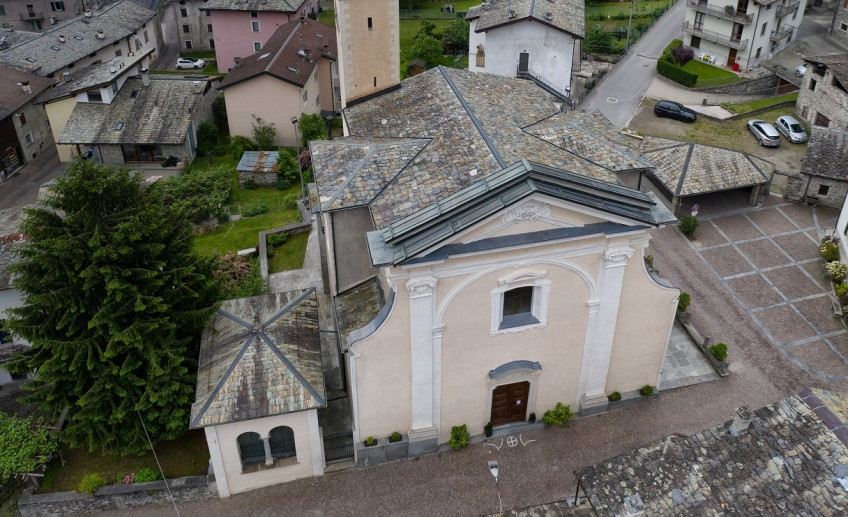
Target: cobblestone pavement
(768, 260)
(539, 467)
(684, 364)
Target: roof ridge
(297, 375)
(236, 360)
(282, 48)
(350, 178)
(685, 169)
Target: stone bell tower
(368, 34)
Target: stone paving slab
(798, 246)
(708, 235)
(784, 324)
(819, 358)
(772, 221)
(792, 282)
(763, 253)
(754, 291)
(737, 227)
(684, 364)
(819, 313)
(726, 261)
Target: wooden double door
(509, 403)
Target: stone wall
(754, 86)
(836, 32)
(826, 99)
(304, 226)
(117, 497)
(836, 192)
(260, 179)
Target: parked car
(764, 132)
(800, 70)
(791, 129)
(190, 62)
(674, 110)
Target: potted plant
(647, 390)
(688, 225)
(395, 437)
(487, 430)
(614, 396)
(397, 447)
(370, 441)
(532, 418)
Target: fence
(430, 14)
(338, 447)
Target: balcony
(786, 10)
(781, 33)
(32, 16)
(726, 13)
(715, 37)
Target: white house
(527, 39)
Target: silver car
(791, 129)
(764, 132)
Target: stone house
(839, 26)
(24, 126)
(506, 285)
(532, 40)
(260, 383)
(38, 15)
(823, 99)
(148, 119)
(823, 175)
(121, 29)
(241, 28)
(742, 34)
(294, 74)
(187, 25)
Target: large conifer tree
(115, 299)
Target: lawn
(745, 107)
(328, 17)
(621, 10)
(185, 456)
(459, 5)
(244, 233)
(709, 75)
(290, 255)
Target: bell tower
(368, 34)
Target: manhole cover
(612, 100)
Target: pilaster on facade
(423, 434)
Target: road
(621, 91)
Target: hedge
(675, 73)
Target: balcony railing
(721, 12)
(785, 10)
(781, 33)
(715, 37)
(30, 16)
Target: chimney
(100, 34)
(198, 86)
(25, 87)
(302, 18)
(65, 76)
(61, 38)
(145, 77)
(88, 13)
(237, 61)
(741, 421)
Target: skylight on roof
(263, 56)
(292, 68)
(119, 126)
(54, 47)
(30, 59)
(78, 37)
(319, 35)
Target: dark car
(674, 110)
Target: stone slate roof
(93, 76)
(475, 126)
(12, 96)
(260, 357)
(405, 239)
(838, 64)
(787, 463)
(12, 37)
(40, 55)
(158, 114)
(687, 169)
(564, 15)
(291, 54)
(281, 6)
(826, 153)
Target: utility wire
(170, 495)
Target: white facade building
(745, 34)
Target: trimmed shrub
(683, 301)
(837, 271)
(395, 437)
(614, 396)
(841, 290)
(240, 144)
(719, 351)
(688, 225)
(459, 437)
(92, 482)
(146, 474)
(675, 73)
(647, 390)
(275, 239)
(560, 415)
(257, 209)
(289, 201)
(370, 441)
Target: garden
(678, 63)
(606, 24)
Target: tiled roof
(474, 123)
(282, 6)
(157, 114)
(826, 153)
(687, 169)
(12, 37)
(290, 54)
(788, 462)
(260, 357)
(404, 239)
(13, 96)
(46, 54)
(93, 76)
(838, 64)
(565, 15)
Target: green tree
(207, 138)
(427, 28)
(219, 115)
(288, 170)
(263, 134)
(311, 127)
(198, 193)
(456, 35)
(426, 48)
(598, 40)
(22, 447)
(115, 299)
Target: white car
(764, 132)
(190, 62)
(800, 70)
(791, 129)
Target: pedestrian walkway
(684, 363)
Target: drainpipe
(756, 24)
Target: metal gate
(338, 447)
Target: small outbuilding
(260, 382)
(258, 166)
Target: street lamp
(493, 468)
(297, 144)
(330, 118)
